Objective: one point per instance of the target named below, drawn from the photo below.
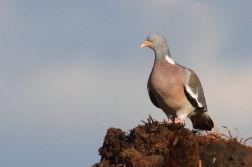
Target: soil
(158, 144)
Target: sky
(69, 70)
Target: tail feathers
(202, 121)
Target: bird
(176, 89)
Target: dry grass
(222, 137)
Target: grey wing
(152, 97)
(193, 90)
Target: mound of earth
(158, 144)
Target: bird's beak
(146, 43)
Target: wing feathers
(152, 98)
(194, 91)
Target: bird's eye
(156, 39)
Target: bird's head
(154, 41)
(158, 44)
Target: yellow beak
(146, 43)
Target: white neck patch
(169, 59)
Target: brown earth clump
(156, 144)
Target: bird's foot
(178, 124)
(170, 121)
(179, 120)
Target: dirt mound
(163, 145)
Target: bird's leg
(181, 118)
(171, 118)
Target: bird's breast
(165, 82)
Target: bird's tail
(202, 121)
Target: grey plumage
(175, 89)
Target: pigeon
(176, 89)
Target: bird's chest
(166, 84)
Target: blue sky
(70, 70)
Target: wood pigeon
(175, 89)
